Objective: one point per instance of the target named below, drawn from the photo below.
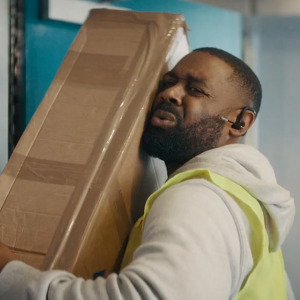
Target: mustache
(168, 107)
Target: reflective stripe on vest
(266, 280)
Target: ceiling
(259, 7)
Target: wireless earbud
(238, 124)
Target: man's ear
(247, 120)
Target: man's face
(185, 117)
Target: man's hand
(6, 256)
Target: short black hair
(243, 75)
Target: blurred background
(36, 34)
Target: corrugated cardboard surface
(78, 180)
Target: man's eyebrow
(192, 78)
(171, 74)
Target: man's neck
(172, 167)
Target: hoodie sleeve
(191, 249)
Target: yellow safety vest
(266, 280)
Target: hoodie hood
(247, 167)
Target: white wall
(278, 66)
(74, 11)
(4, 55)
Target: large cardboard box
(78, 180)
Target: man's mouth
(163, 119)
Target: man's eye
(196, 90)
(167, 84)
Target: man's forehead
(204, 65)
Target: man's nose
(173, 94)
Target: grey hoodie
(195, 243)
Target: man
(215, 229)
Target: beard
(181, 143)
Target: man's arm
(191, 250)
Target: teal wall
(48, 41)
(209, 25)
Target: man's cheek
(155, 103)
